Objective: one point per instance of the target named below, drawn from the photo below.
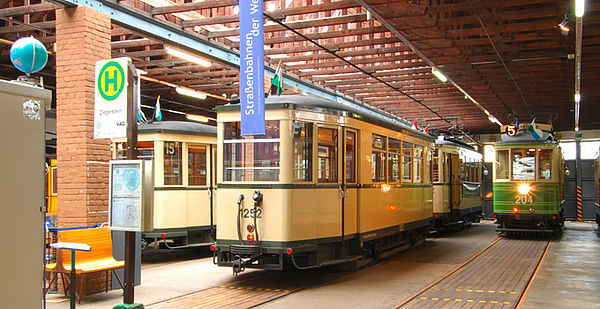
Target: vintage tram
(327, 184)
(457, 175)
(528, 180)
(183, 207)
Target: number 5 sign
(110, 98)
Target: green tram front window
(545, 163)
(523, 163)
(251, 158)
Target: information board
(126, 195)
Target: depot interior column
(82, 38)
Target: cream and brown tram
(183, 208)
(326, 184)
(457, 176)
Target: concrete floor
(569, 277)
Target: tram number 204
(523, 199)
(250, 213)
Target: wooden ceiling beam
(291, 11)
(193, 6)
(301, 24)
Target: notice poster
(126, 195)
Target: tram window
(303, 143)
(523, 163)
(378, 154)
(545, 163)
(196, 165)
(350, 156)
(328, 140)
(251, 158)
(54, 181)
(394, 154)
(418, 163)
(406, 162)
(435, 167)
(145, 150)
(502, 164)
(172, 163)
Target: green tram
(528, 181)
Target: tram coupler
(237, 265)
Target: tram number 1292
(250, 213)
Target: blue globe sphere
(28, 55)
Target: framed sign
(130, 195)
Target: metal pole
(73, 285)
(578, 173)
(128, 293)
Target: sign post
(115, 115)
(252, 68)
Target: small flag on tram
(141, 116)
(414, 126)
(157, 114)
(535, 132)
(277, 81)
(426, 129)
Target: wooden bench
(100, 258)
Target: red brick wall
(82, 38)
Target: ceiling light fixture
(191, 93)
(564, 25)
(186, 56)
(439, 74)
(197, 118)
(579, 8)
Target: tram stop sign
(110, 98)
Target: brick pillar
(82, 38)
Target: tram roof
(178, 127)
(453, 142)
(323, 105)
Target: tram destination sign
(110, 98)
(252, 70)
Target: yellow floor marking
(267, 289)
(513, 292)
(469, 290)
(458, 299)
(446, 298)
(493, 302)
(469, 300)
(249, 288)
(232, 287)
(482, 301)
(259, 289)
(423, 297)
(222, 286)
(459, 290)
(286, 291)
(502, 292)
(506, 303)
(480, 291)
(277, 290)
(434, 298)
(491, 291)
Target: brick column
(82, 38)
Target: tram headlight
(524, 189)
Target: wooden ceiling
(507, 55)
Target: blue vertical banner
(252, 70)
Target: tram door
(455, 183)
(349, 188)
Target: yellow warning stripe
(465, 300)
(231, 287)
